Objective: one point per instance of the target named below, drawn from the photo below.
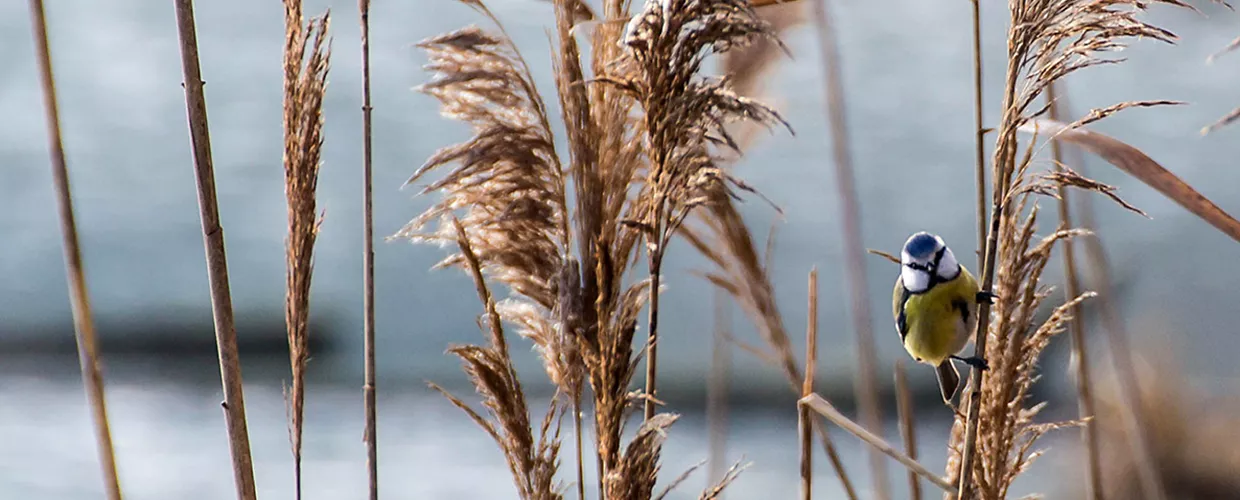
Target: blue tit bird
(935, 308)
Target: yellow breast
(939, 322)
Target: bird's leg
(974, 362)
(985, 297)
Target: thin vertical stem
(908, 431)
(1076, 327)
(652, 340)
(980, 131)
(1004, 165)
(807, 388)
(217, 265)
(79, 300)
(866, 386)
(717, 389)
(368, 266)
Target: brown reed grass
(79, 299)
(506, 199)
(684, 114)
(865, 386)
(217, 263)
(304, 88)
(1047, 40)
(370, 435)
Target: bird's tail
(949, 379)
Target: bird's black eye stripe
(938, 256)
(919, 267)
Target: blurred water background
(118, 72)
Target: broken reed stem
(908, 431)
(807, 388)
(717, 390)
(83, 323)
(217, 265)
(822, 407)
(1076, 327)
(368, 266)
(980, 131)
(865, 386)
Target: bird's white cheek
(914, 280)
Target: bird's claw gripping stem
(974, 361)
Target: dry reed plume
(79, 299)
(1235, 113)
(505, 203)
(304, 88)
(217, 262)
(684, 115)
(1048, 40)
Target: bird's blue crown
(921, 245)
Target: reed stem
(908, 431)
(1076, 327)
(807, 388)
(866, 385)
(822, 407)
(652, 340)
(368, 266)
(79, 299)
(217, 265)
(717, 390)
(979, 130)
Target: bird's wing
(899, 297)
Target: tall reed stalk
(79, 299)
(866, 385)
(217, 264)
(370, 435)
(304, 88)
